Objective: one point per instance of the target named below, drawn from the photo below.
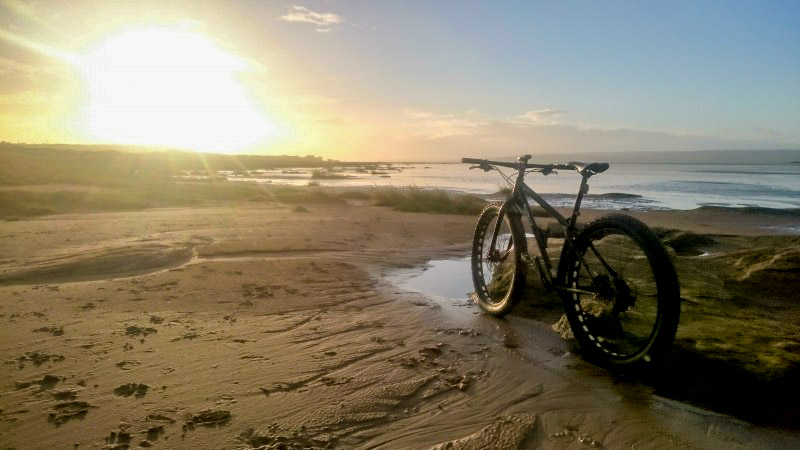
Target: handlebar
(516, 165)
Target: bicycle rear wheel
(622, 296)
(497, 272)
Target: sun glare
(169, 87)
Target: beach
(269, 325)
(250, 225)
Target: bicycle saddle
(589, 168)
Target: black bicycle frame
(519, 200)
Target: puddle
(448, 278)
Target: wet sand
(255, 326)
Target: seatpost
(522, 160)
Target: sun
(170, 87)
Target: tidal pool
(448, 278)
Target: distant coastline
(711, 157)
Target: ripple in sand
(507, 432)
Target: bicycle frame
(517, 203)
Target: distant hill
(687, 157)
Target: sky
(400, 80)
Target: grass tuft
(414, 199)
(294, 195)
(356, 195)
(504, 190)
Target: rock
(686, 243)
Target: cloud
(426, 135)
(544, 116)
(412, 113)
(324, 22)
(430, 125)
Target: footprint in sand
(135, 389)
(66, 411)
(154, 432)
(52, 329)
(65, 394)
(128, 364)
(207, 418)
(37, 358)
(160, 418)
(272, 439)
(187, 336)
(156, 319)
(47, 382)
(139, 331)
(118, 440)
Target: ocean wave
(792, 212)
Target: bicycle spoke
(494, 267)
(614, 286)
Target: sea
(622, 186)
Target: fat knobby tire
(666, 280)
(483, 231)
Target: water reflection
(448, 278)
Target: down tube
(508, 204)
(550, 210)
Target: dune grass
(308, 194)
(355, 195)
(504, 190)
(21, 202)
(414, 199)
(36, 182)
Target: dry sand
(258, 326)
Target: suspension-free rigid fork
(510, 207)
(506, 208)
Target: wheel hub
(616, 292)
(603, 288)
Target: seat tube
(519, 183)
(573, 220)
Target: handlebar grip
(473, 161)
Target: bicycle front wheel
(497, 271)
(620, 291)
